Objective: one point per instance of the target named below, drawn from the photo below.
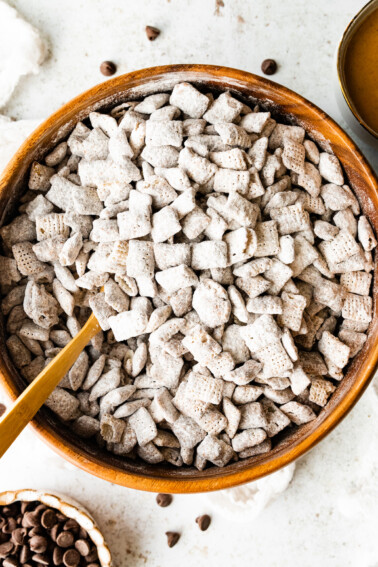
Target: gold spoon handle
(35, 395)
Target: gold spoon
(35, 395)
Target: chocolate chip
(92, 557)
(10, 562)
(83, 533)
(172, 538)
(48, 519)
(38, 544)
(54, 532)
(24, 507)
(6, 548)
(30, 520)
(10, 526)
(108, 68)
(203, 522)
(25, 554)
(3, 409)
(58, 555)
(72, 525)
(19, 536)
(83, 547)
(2, 522)
(65, 539)
(36, 531)
(269, 66)
(152, 33)
(41, 559)
(71, 558)
(164, 500)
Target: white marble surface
(329, 514)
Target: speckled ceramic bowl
(69, 508)
(286, 106)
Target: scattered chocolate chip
(269, 66)
(164, 500)
(71, 558)
(108, 68)
(152, 33)
(172, 538)
(83, 547)
(203, 522)
(3, 409)
(65, 539)
(48, 519)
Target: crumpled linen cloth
(22, 50)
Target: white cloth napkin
(22, 50)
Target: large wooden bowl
(286, 106)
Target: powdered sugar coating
(227, 253)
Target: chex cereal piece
(310, 179)
(293, 306)
(188, 432)
(205, 388)
(243, 374)
(291, 219)
(330, 168)
(340, 248)
(276, 419)
(357, 308)
(293, 155)
(202, 346)
(298, 413)
(189, 100)
(320, 391)
(335, 197)
(335, 350)
(356, 282)
(27, 262)
(354, 340)
(212, 304)
(233, 415)
(242, 244)
(267, 239)
(209, 255)
(199, 169)
(248, 438)
(366, 234)
(265, 304)
(194, 223)
(64, 404)
(143, 425)
(173, 279)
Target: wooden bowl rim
(217, 478)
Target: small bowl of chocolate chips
(42, 528)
